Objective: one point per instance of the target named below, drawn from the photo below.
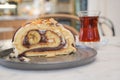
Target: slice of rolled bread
(43, 37)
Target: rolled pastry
(43, 37)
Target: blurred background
(15, 12)
(37, 7)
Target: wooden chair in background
(103, 24)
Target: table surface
(105, 67)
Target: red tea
(89, 31)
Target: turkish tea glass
(89, 33)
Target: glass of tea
(89, 33)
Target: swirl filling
(46, 39)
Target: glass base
(94, 45)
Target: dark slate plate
(83, 56)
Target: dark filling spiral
(43, 40)
(43, 49)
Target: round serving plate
(83, 56)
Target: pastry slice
(43, 37)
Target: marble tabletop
(105, 67)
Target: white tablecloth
(105, 67)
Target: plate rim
(4, 62)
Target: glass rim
(89, 13)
